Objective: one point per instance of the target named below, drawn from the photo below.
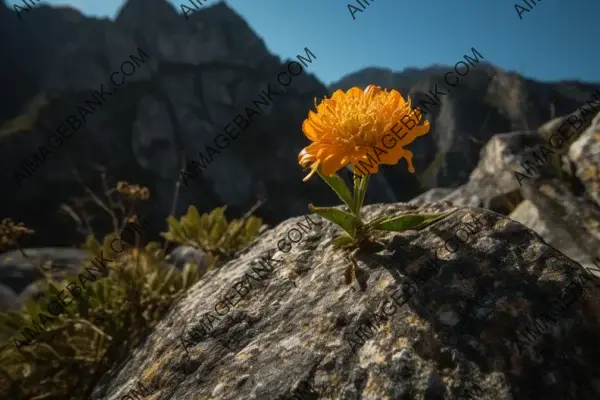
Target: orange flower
(350, 126)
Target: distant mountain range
(201, 73)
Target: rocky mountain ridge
(201, 73)
(490, 303)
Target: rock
(559, 210)
(487, 102)
(492, 184)
(198, 76)
(431, 196)
(554, 233)
(182, 255)
(474, 306)
(18, 272)
(8, 299)
(585, 154)
(576, 215)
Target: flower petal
(345, 128)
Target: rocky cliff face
(486, 101)
(197, 77)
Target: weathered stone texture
(468, 325)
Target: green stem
(360, 189)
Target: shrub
(96, 331)
(212, 233)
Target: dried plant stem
(37, 265)
(175, 198)
(99, 203)
(95, 328)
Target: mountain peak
(135, 10)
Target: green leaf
(175, 228)
(215, 217)
(32, 307)
(13, 319)
(231, 234)
(194, 216)
(188, 228)
(346, 221)
(408, 222)
(204, 222)
(108, 239)
(92, 245)
(360, 190)
(101, 286)
(342, 241)
(371, 224)
(339, 187)
(218, 229)
(253, 225)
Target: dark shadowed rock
(18, 272)
(199, 74)
(182, 255)
(8, 298)
(484, 308)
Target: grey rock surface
(554, 234)
(431, 196)
(559, 205)
(585, 154)
(484, 306)
(181, 255)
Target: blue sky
(555, 40)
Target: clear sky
(556, 40)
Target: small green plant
(212, 233)
(98, 328)
(30, 119)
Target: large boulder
(555, 194)
(474, 306)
